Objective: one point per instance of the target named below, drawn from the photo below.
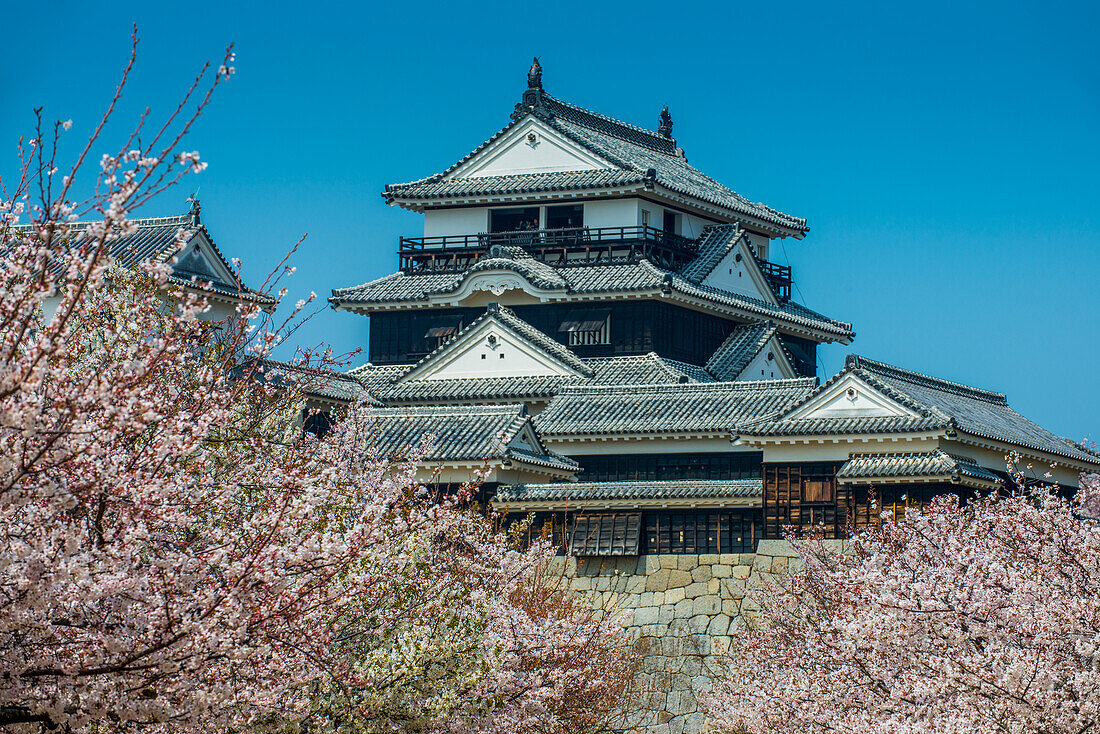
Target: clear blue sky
(946, 156)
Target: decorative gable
(738, 272)
(198, 259)
(770, 363)
(487, 350)
(851, 397)
(530, 147)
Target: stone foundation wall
(684, 609)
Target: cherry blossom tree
(176, 555)
(975, 617)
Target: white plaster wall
(839, 450)
(612, 213)
(469, 220)
(996, 460)
(761, 244)
(761, 369)
(691, 226)
(733, 276)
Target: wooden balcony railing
(575, 245)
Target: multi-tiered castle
(604, 325)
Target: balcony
(559, 247)
(779, 277)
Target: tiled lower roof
(671, 408)
(456, 433)
(669, 489)
(940, 405)
(640, 276)
(154, 239)
(381, 381)
(739, 348)
(714, 243)
(334, 386)
(533, 183)
(930, 464)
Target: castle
(604, 325)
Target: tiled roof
(939, 405)
(338, 387)
(633, 151)
(155, 240)
(508, 319)
(671, 408)
(433, 188)
(380, 380)
(668, 489)
(640, 276)
(930, 464)
(735, 353)
(457, 433)
(714, 243)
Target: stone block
(719, 625)
(794, 565)
(657, 581)
(708, 605)
(688, 562)
(674, 595)
(701, 573)
(775, 548)
(721, 572)
(669, 561)
(694, 590)
(676, 725)
(676, 579)
(741, 572)
(672, 702)
(714, 586)
(779, 564)
(658, 598)
(683, 609)
(645, 615)
(731, 607)
(645, 599)
(634, 584)
(729, 559)
(720, 645)
(667, 614)
(648, 564)
(708, 559)
(762, 564)
(693, 665)
(693, 723)
(699, 623)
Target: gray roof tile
(670, 408)
(640, 276)
(632, 149)
(155, 240)
(739, 348)
(930, 464)
(714, 243)
(667, 489)
(939, 404)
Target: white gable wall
(531, 147)
(490, 351)
(739, 277)
(761, 368)
(851, 397)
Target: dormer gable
(198, 259)
(498, 345)
(530, 146)
(851, 397)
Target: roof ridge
(653, 387)
(855, 361)
(495, 409)
(609, 125)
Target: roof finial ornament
(532, 98)
(665, 129)
(195, 207)
(534, 75)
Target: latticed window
(588, 327)
(605, 534)
(702, 531)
